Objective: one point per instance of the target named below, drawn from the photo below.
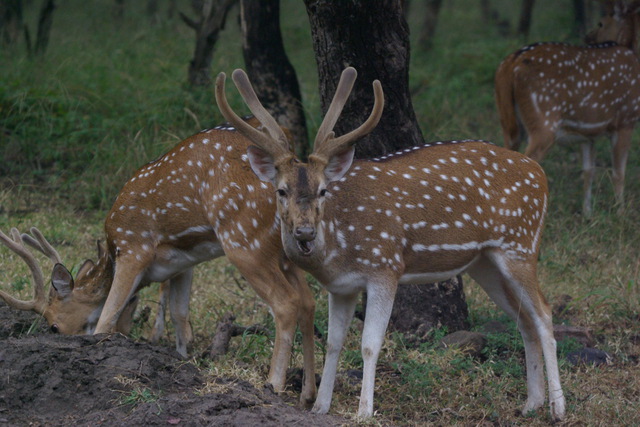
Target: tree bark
(430, 23)
(11, 23)
(212, 15)
(44, 26)
(525, 18)
(272, 75)
(373, 37)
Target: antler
(275, 142)
(326, 145)
(38, 303)
(41, 244)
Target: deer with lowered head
(197, 202)
(557, 91)
(420, 215)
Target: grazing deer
(197, 202)
(423, 214)
(561, 91)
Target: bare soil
(54, 380)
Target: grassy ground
(110, 96)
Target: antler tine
(345, 85)
(41, 244)
(336, 145)
(275, 146)
(249, 96)
(38, 303)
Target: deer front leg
(379, 305)
(127, 278)
(306, 312)
(341, 311)
(179, 294)
(588, 173)
(621, 142)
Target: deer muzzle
(305, 238)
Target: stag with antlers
(559, 91)
(420, 215)
(197, 202)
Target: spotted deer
(559, 91)
(421, 215)
(197, 202)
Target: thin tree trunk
(430, 23)
(373, 37)
(525, 18)
(272, 75)
(44, 26)
(11, 23)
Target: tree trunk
(212, 15)
(272, 75)
(11, 24)
(373, 37)
(430, 23)
(118, 10)
(491, 16)
(45, 22)
(580, 13)
(525, 18)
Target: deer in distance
(421, 215)
(197, 202)
(557, 91)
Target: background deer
(197, 202)
(421, 215)
(561, 91)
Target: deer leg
(588, 173)
(179, 294)
(273, 287)
(127, 278)
(158, 325)
(341, 311)
(379, 305)
(538, 143)
(621, 142)
(306, 313)
(513, 286)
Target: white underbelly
(171, 261)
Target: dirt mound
(56, 380)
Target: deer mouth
(306, 247)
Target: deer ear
(61, 280)
(262, 164)
(339, 164)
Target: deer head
(301, 188)
(620, 25)
(72, 306)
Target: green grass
(109, 97)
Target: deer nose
(305, 233)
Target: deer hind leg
(159, 324)
(620, 144)
(179, 294)
(306, 311)
(588, 173)
(341, 311)
(513, 286)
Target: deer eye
(323, 192)
(281, 192)
(54, 328)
